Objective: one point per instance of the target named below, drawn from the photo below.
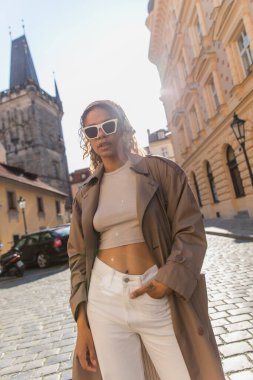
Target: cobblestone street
(37, 330)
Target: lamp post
(238, 128)
(22, 204)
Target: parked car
(43, 247)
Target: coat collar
(137, 163)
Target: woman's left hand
(154, 289)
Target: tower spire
(22, 67)
(57, 94)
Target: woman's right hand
(85, 349)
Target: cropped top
(116, 215)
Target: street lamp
(22, 204)
(237, 126)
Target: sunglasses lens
(91, 132)
(109, 127)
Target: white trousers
(118, 323)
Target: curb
(229, 235)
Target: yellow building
(203, 52)
(44, 205)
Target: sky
(98, 49)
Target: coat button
(201, 331)
(179, 258)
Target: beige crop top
(116, 215)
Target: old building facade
(45, 206)
(160, 143)
(30, 122)
(203, 50)
(77, 179)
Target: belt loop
(112, 278)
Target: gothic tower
(30, 122)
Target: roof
(160, 134)
(22, 67)
(25, 178)
(79, 175)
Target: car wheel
(42, 260)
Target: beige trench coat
(173, 230)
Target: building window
(165, 152)
(199, 32)
(213, 92)
(245, 53)
(234, 173)
(194, 120)
(40, 205)
(58, 207)
(181, 139)
(184, 69)
(160, 135)
(197, 189)
(11, 199)
(212, 183)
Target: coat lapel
(89, 206)
(145, 185)
(145, 188)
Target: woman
(136, 248)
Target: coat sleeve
(182, 268)
(77, 260)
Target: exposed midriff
(132, 258)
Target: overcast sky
(98, 49)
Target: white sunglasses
(108, 127)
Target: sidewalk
(236, 228)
